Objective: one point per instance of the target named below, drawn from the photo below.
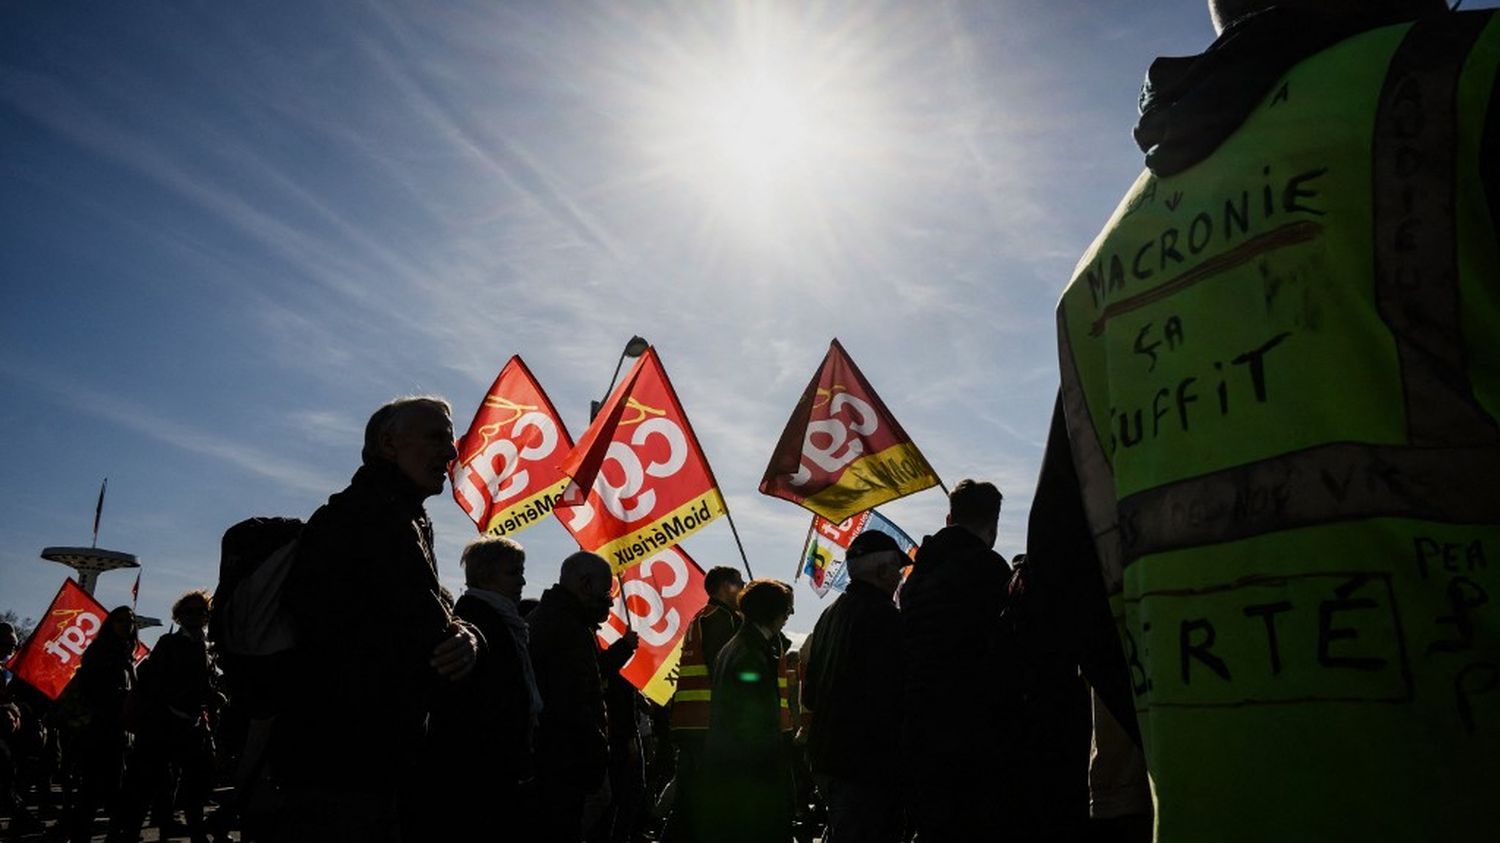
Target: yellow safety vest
(1281, 379)
(787, 687)
(694, 693)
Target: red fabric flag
(135, 590)
(660, 597)
(648, 484)
(51, 656)
(842, 452)
(505, 476)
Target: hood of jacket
(1191, 104)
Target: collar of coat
(569, 604)
(386, 481)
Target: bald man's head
(588, 577)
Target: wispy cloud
(152, 424)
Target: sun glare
(760, 127)
(773, 128)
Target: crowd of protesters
(334, 690)
(132, 737)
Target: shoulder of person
(467, 606)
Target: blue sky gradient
(233, 230)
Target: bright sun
(773, 130)
(760, 127)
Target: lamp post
(633, 349)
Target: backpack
(251, 629)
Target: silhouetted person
(1054, 718)
(173, 752)
(627, 770)
(18, 728)
(749, 778)
(375, 640)
(853, 686)
(959, 695)
(1280, 400)
(706, 635)
(92, 712)
(482, 730)
(573, 738)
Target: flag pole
(633, 349)
(99, 510)
(737, 543)
(797, 576)
(624, 602)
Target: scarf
(520, 636)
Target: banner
(649, 485)
(660, 597)
(823, 555)
(50, 657)
(842, 452)
(505, 476)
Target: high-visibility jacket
(706, 634)
(801, 715)
(787, 688)
(1281, 379)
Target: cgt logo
(827, 444)
(661, 578)
(73, 635)
(495, 474)
(657, 448)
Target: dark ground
(10, 830)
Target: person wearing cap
(853, 688)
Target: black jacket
(959, 694)
(853, 685)
(176, 681)
(572, 744)
(364, 595)
(487, 716)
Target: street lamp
(634, 348)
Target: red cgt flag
(50, 657)
(660, 596)
(842, 452)
(505, 476)
(649, 485)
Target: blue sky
(230, 231)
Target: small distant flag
(842, 451)
(135, 591)
(827, 542)
(99, 510)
